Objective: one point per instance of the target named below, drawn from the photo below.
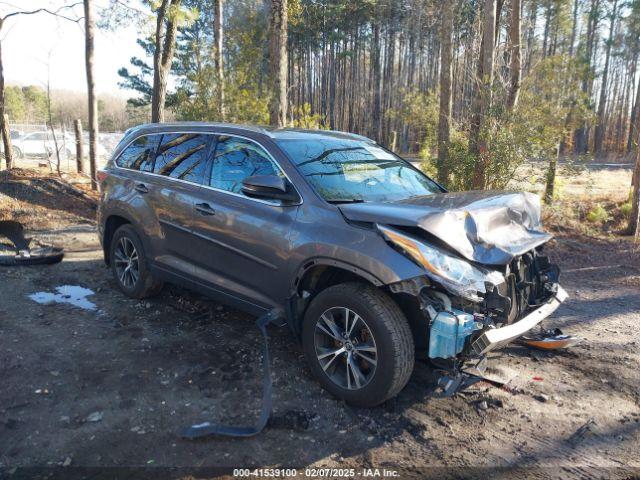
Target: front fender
(362, 251)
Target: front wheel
(358, 344)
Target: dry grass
(580, 190)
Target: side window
(236, 159)
(38, 137)
(139, 154)
(182, 156)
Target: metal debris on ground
(549, 340)
(94, 417)
(585, 430)
(20, 252)
(206, 429)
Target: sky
(33, 44)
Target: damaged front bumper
(493, 338)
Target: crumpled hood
(483, 226)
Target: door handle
(205, 209)
(142, 188)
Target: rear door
(242, 242)
(177, 173)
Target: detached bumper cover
(497, 337)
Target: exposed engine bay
(461, 332)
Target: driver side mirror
(269, 187)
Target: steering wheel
(370, 180)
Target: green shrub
(625, 209)
(597, 215)
(303, 118)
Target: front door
(35, 144)
(243, 242)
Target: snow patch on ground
(72, 294)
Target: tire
(381, 326)
(137, 282)
(38, 256)
(17, 153)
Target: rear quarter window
(139, 154)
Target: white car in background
(42, 145)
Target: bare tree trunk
(516, 56)
(217, 49)
(278, 62)
(55, 141)
(376, 114)
(6, 137)
(581, 135)
(599, 135)
(531, 29)
(91, 94)
(444, 118)
(159, 83)
(551, 176)
(574, 27)
(163, 56)
(77, 126)
(53, 133)
(634, 127)
(478, 141)
(634, 219)
(6, 141)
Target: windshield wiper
(346, 200)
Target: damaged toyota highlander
(372, 263)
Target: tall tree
(4, 129)
(587, 54)
(278, 62)
(482, 104)
(91, 90)
(602, 103)
(634, 220)
(165, 41)
(444, 117)
(6, 137)
(516, 56)
(217, 53)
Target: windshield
(355, 171)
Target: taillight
(101, 175)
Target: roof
(272, 132)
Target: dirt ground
(111, 387)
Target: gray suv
(373, 263)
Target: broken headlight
(455, 274)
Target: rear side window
(236, 159)
(182, 156)
(139, 154)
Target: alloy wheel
(345, 348)
(126, 263)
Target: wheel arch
(111, 224)
(318, 274)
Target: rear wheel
(129, 264)
(17, 153)
(358, 344)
